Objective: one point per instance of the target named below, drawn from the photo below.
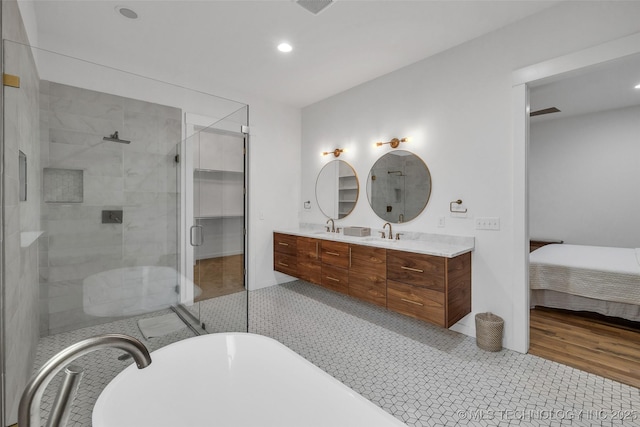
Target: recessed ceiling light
(638, 86)
(127, 12)
(285, 47)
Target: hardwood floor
(591, 343)
(219, 276)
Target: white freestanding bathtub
(231, 380)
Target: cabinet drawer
(310, 271)
(308, 249)
(284, 243)
(285, 263)
(335, 278)
(335, 254)
(368, 287)
(418, 302)
(371, 260)
(416, 269)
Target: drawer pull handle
(412, 302)
(283, 243)
(332, 279)
(332, 253)
(412, 269)
(282, 263)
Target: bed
(598, 279)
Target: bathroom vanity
(427, 278)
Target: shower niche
(63, 185)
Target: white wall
(274, 185)
(457, 107)
(583, 178)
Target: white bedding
(603, 273)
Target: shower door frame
(2, 269)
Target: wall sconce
(395, 142)
(336, 152)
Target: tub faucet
(333, 226)
(390, 232)
(29, 408)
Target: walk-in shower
(135, 205)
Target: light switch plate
(488, 223)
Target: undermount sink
(379, 240)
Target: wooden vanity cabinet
(368, 274)
(431, 288)
(285, 254)
(335, 266)
(427, 287)
(309, 262)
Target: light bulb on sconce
(394, 143)
(336, 152)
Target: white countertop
(423, 243)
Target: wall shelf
(215, 173)
(347, 194)
(225, 216)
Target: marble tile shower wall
(138, 178)
(416, 178)
(20, 257)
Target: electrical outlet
(441, 221)
(488, 223)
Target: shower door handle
(200, 235)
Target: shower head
(114, 138)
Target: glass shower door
(217, 230)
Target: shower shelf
(27, 238)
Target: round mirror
(337, 189)
(399, 186)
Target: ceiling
(208, 45)
(607, 86)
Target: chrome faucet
(29, 408)
(390, 232)
(333, 226)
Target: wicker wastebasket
(489, 328)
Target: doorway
(523, 80)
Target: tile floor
(422, 374)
